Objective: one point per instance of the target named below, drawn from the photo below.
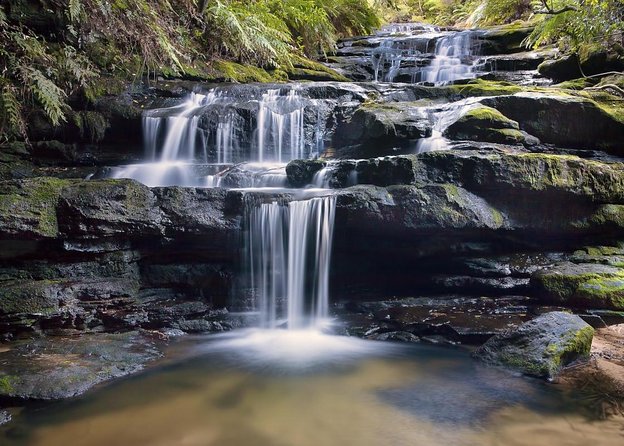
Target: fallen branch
(550, 11)
(607, 86)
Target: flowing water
(421, 53)
(288, 382)
(296, 388)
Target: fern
(74, 9)
(11, 109)
(48, 94)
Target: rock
(540, 347)
(106, 208)
(301, 172)
(583, 285)
(28, 208)
(400, 336)
(505, 39)
(5, 417)
(485, 124)
(563, 120)
(561, 69)
(381, 129)
(56, 368)
(414, 209)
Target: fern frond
(74, 9)
(47, 93)
(11, 109)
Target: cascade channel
(288, 244)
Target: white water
(222, 127)
(406, 48)
(289, 254)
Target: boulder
(28, 208)
(505, 39)
(540, 347)
(564, 120)
(485, 124)
(583, 285)
(105, 208)
(381, 129)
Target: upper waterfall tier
(413, 53)
(230, 126)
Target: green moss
(91, 125)
(576, 84)
(7, 383)
(235, 72)
(29, 297)
(34, 201)
(306, 69)
(480, 87)
(591, 290)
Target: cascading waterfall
(449, 63)
(289, 253)
(420, 53)
(288, 247)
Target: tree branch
(551, 11)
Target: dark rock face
(52, 368)
(540, 347)
(382, 129)
(99, 248)
(547, 117)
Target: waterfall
(288, 255)
(280, 127)
(450, 61)
(417, 53)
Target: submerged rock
(55, 368)
(540, 347)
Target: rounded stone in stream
(540, 347)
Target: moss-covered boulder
(381, 129)
(584, 285)
(505, 39)
(564, 120)
(485, 124)
(102, 208)
(540, 347)
(28, 207)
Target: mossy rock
(485, 124)
(584, 285)
(506, 39)
(234, 72)
(481, 87)
(28, 207)
(38, 297)
(540, 347)
(309, 70)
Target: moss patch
(29, 206)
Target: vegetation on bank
(59, 52)
(62, 54)
(570, 23)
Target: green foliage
(572, 23)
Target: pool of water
(304, 388)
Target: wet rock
(399, 336)
(412, 208)
(5, 417)
(505, 39)
(28, 207)
(548, 117)
(485, 124)
(301, 172)
(382, 128)
(492, 285)
(105, 208)
(55, 368)
(540, 347)
(583, 285)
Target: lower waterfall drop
(289, 254)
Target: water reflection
(302, 388)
